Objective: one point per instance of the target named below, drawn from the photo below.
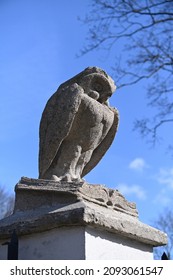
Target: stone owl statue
(77, 126)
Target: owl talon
(55, 178)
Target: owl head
(95, 82)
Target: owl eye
(97, 87)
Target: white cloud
(163, 198)
(138, 164)
(165, 177)
(136, 190)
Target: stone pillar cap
(43, 205)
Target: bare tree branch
(6, 203)
(165, 223)
(144, 31)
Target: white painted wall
(102, 245)
(79, 243)
(3, 250)
(62, 243)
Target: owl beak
(105, 97)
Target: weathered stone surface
(35, 193)
(43, 204)
(77, 126)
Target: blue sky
(39, 43)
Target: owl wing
(104, 145)
(56, 122)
